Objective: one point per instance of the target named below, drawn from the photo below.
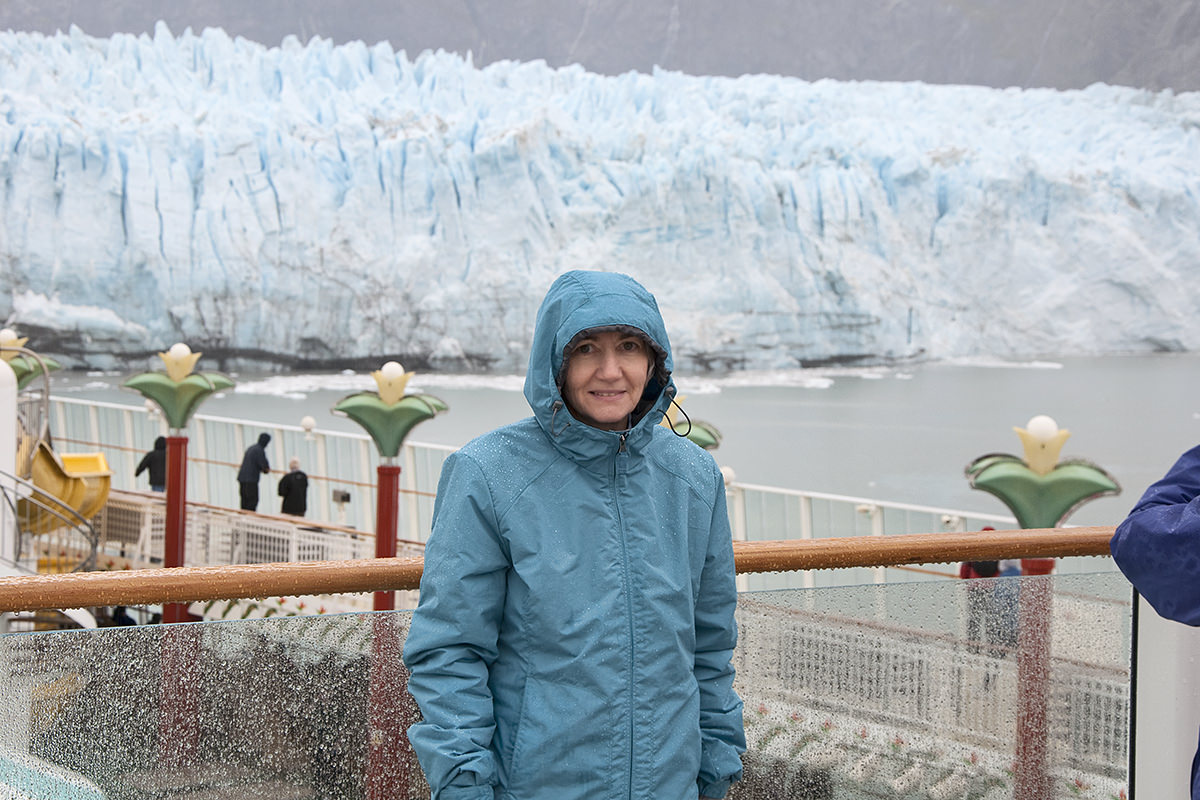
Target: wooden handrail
(919, 548)
(238, 581)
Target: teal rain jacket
(576, 619)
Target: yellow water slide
(67, 482)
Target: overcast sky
(1152, 44)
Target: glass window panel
(941, 689)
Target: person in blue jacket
(576, 620)
(1158, 549)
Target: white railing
(347, 462)
(131, 527)
(760, 513)
(334, 461)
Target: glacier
(312, 206)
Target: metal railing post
(806, 532)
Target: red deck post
(179, 696)
(1032, 778)
(391, 764)
(176, 522)
(387, 514)
(392, 767)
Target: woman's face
(606, 374)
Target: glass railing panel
(941, 690)
(302, 707)
(945, 689)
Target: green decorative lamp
(388, 415)
(699, 432)
(178, 392)
(1040, 490)
(26, 367)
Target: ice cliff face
(320, 206)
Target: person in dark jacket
(156, 462)
(575, 628)
(121, 617)
(1157, 547)
(293, 488)
(254, 465)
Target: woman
(575, 627)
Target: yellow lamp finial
(391, 380)
(1043, 441)
(9, 338)
(179, 361)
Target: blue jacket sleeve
(723, 739)
(452, 640)
(1158, 544)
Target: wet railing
(944, 689)
(192, 584)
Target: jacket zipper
(628, 605)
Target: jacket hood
(264, 439)
(160, 443)
(581, 300)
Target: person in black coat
(293, 488)
(254, 465)
(121, 617)
(156, 462)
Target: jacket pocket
(564, 741)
